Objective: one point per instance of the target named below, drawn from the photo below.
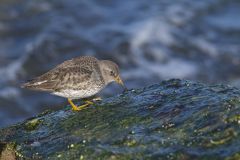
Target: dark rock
(7, 151)
(171, 120)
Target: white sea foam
(178, 14)
(175, 68)
(157, 31)
(9, 92)
(9, 72)
(152, 30)
(206, 47)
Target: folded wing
(64, 75)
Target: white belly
(77, 94)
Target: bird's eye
(112, 73)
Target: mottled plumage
(80, 77)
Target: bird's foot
(81, 107)
(78, 108)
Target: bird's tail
(41, 85)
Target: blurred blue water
(151, 40)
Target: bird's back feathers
(76, 70)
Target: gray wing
(69, 74)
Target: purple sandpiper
(80, 77)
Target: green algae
(234, 157)
(234, 119)
(32, 124)
(125, 123)
(171, 120)
(223, 138)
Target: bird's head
(110, 72)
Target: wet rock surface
(174, 119)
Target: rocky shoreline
(174, 119)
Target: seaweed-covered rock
(171, 120)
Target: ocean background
(151, 40)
